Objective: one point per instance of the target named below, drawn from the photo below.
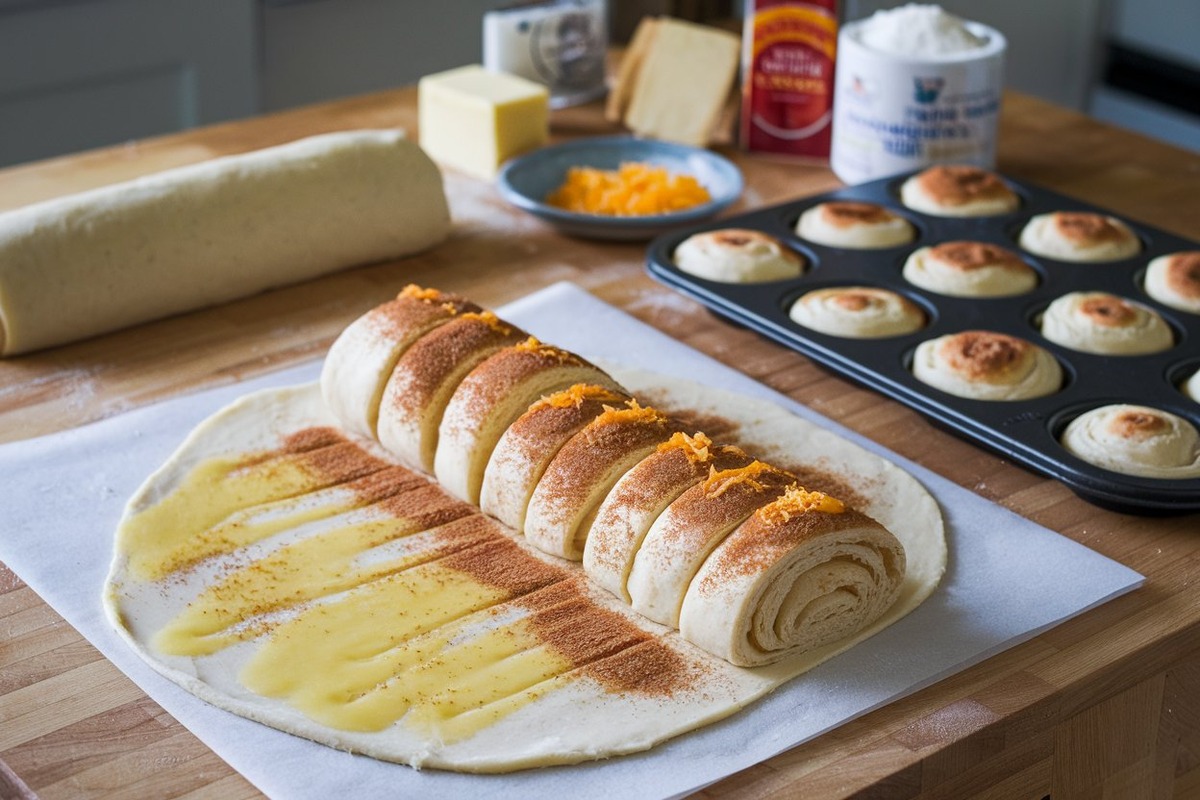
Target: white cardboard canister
(895, 114)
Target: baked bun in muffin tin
(958, 190)
(1064, 283)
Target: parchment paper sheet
(1007, 580)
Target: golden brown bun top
(848, 214)
(968, 256)
(957, 185)
(1108, 310)
(1183, 274)
(983, 355)
(1138, 423)
(1087, 229)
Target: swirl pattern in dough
(857, 312)
(854, 225)
(969, 269)
(738, 255)
(1191, 386)
(1079, 236)
(1135, 440)
(1174, 280)
(1098, 322)
(958, 190)
(985, 365)
(800, 573)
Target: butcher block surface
(1105, 705)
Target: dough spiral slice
(688, 530)
(525, 450)
(802, 572)
(641, 495)
(584, 471)
(362, 358)
(490, 399)
(425, 377)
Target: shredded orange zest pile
(718, 483)
(489, 319)
(417, 293)
(575, 395)
(635, 412)
(798, 500)
(696, 448)
(635, 189)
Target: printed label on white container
(894, 114)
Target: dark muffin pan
(1026, 431)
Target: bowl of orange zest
(620, 187)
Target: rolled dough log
(207, 233)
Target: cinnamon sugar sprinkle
(956, 185)
(983, 355)
(968, 256)
(1138, 424)
(848, 214)
(1087, 228)
(1183, 274)
(604, 645)
(1108, 310)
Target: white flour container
(895, 113)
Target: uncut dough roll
(211, 232)
(801, 572)
(362, 358)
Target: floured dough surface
(282, 570)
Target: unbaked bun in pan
(1174, 280)
(865, 226)
(1191, 386)
(985, 365)
(857, 312)
(1098, 322)
(738, 255)
(969, 269)
(958, 191)
(1079, 236)
(1135, 440)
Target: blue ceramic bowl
(526, 180)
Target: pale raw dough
(211, 232)
(1136, 440)
(579, 720)
(1098, 322)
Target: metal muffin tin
(1025, 431)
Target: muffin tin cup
(1025, 431)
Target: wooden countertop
(1106, 703)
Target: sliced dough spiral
(525, 450)
(1174, 280)
(425, 377)
(1079, 236)
(857, 312)
(583, 471)
(641, 495)
(969, 269)
(738, 255)
(800, 573)
(688, 530)
(491, 397)
(958, 190)
(855, 225)
(362, 358)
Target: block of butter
(474, 120)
